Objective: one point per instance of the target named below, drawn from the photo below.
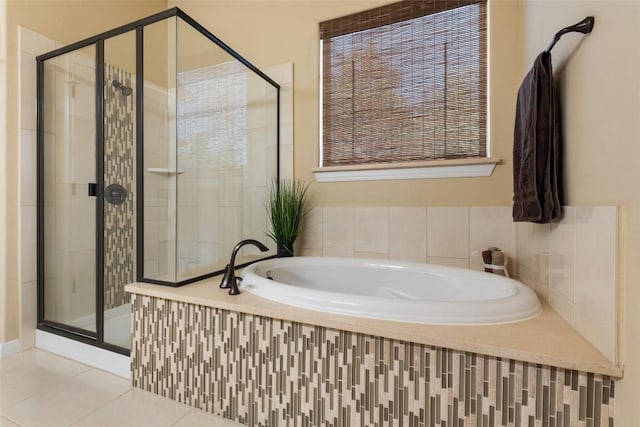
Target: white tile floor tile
(41, 389)
(32, 372)
(6, 423)
(126, 410)
(71, 400)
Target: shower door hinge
(93, 189)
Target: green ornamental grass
(286, 208)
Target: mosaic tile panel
(267, 372)
(119, 146)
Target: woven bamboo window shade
(405, 82)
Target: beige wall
(5, 316)
(274, 32)
(65, 21)
(600, 78)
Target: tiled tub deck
(262, 371)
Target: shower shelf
(165, 171)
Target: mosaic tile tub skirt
(267, 372)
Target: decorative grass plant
(286, 206)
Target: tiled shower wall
(221, 193)
(119, 156)
(267, 372)
(570, 263)
(156, 199)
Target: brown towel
(536, 146)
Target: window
(405, 82)
(213, 113)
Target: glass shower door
(69, 167)
(119, 124)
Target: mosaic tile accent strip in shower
(119, 219)
(267, 372)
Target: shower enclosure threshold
(93, 356)
(117, 325)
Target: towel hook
(585, 26)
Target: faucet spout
(229, 280)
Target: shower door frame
(94, 338)
(78, 334)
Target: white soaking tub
(392, 290)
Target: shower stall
(157, 143)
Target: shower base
(90, 355)
(117, 325)
(117, 331)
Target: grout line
(3, 417)
(99, 408)
(182, 417)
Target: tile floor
(38, 388)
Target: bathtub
(390, 290)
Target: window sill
(459, 168)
